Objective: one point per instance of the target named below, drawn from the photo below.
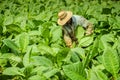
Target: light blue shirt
(76, 21)
(79, 20)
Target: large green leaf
(56, 33)
(13, 71)
(27, 70)
(23, 41)
(79, 32)
(37, 77)
(41, 70)
(86, 41)
(51, 73)
(11, 57)
(73, 71)
(8, 20)
(74, 57)
(11, 44)
(111, 60)
(105, 39)
(14, 60)
(21, 20)
(79, 51)
(77, 54)
(31, 24)
(4, 59)
(63, 55)
(95, 74)
(26, 58)
(34, 33)
(45, 49)
(13, 28)
(41, 60)
(46, 15)
(95, 48)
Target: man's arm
(85, 23)
(67, 38)
(89, 29)
(68, 41)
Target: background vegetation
(32, 48)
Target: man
(69, 23)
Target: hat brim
(67, 18)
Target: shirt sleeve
(79, 20)
(67, 38)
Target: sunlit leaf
(97, 75)
(23, 41)
(41, 60)
(28, 70)
(3, 62)
(56, 33)
(73, 71)
(13, 28)
(105, 39)
(86, 41)
(13, 71)
(79, 51)
(51, 73)
(14, 60)
(37, 77)
(44, 49)
(26, 58)
(95, 48)
(111, 60)
(34, 33)
(79, 32)
(8, 20)
(11, 44)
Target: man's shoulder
(77, 16)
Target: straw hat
(64, 16)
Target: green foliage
(11, 44)
(84, 42)
(41, 60)
(26, 58)
(73, 71)
(111, 61)
(97, 75)
(32, 45)
(23, 42)
(12, 71)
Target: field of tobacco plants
(32, 45)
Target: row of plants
(32, 45)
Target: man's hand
(68, 41)
(89, 29)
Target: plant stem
(86, 62)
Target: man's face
(69, 21)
